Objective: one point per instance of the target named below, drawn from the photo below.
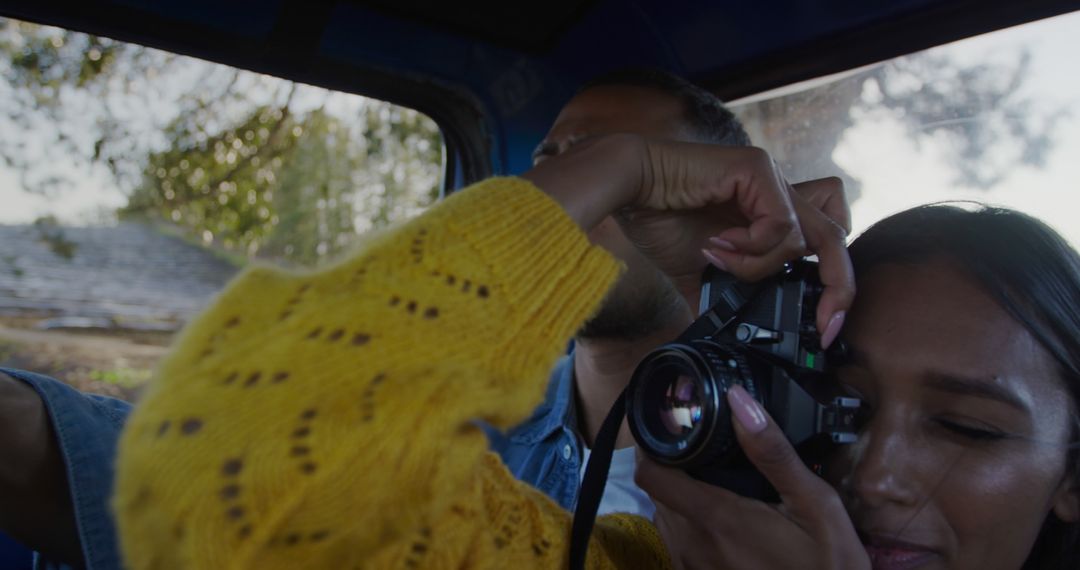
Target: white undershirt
(621, 494)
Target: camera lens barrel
(677, 405)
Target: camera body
(763, 337)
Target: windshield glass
(135, 183)
(995, 118)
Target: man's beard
(638, 306)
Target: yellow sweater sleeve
(324, 420)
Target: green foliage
(298, 188)
(67, 86)
(123, 377)
(46, 59)
(217, 186)
(235, 160)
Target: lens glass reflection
(680, 408)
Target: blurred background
(134, 183)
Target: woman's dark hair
(1031, 272)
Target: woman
(995, 418)
(324, 420)
(966, 350)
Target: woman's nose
(882, 468)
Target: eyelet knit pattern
(325, 420)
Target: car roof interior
(493, 75)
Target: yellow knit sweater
(324, 420)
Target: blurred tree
(248, 162)
(990, 127)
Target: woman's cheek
(995, 504)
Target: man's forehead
(609, 109)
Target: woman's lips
(890, 554)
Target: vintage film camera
(761, 336)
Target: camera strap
(726, 308)
(592, 485)
(728, 304)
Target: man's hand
(35, 503)
(685, 205)
(706, 527)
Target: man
(58, 444)
(643, 311)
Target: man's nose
(565, 142)
(561, 145)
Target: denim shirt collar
(557, 411)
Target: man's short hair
(705, 113)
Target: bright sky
(90, 204)
(895, 174)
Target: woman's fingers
(681, 492)
(828, 240)
(772, 235)
(757, 251)
(827, 195)
(808, 501)
(705, 526)
(766, 446)
(751, 257)
(691, 190)
(700, 523)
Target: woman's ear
(1067, 501)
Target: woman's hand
(732, 207)
(707, 527)
(685, 205)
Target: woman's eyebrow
(977, 387)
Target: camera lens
(676, 406)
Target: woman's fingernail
(713, 259)
(836, 322)
(746, 409)
(722, 244)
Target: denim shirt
(87, 429)
(544, 451)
